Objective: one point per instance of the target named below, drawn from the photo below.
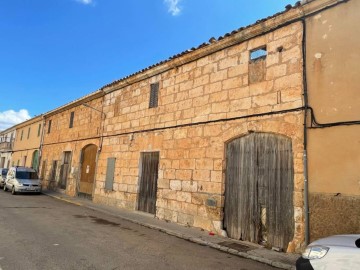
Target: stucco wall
(28, 143)
(333, 58)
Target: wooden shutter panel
(71, 119)
(110, 170)
(154, 93)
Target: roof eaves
(183, 57)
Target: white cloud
(173, 7)
(85, 2)
(11, 118)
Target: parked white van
(22, 179)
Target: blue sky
(55, 51)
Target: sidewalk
(195, 235)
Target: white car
(338, 252)
(22, 179)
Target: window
(49, 127)
(22, 134)
(258, 54)
(39, 130)
(71, 119)
(257, 65)
(109, 180)
(154, 93)
(28, 136)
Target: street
(39, 232)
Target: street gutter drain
(236, 246)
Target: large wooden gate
(259, 190)
(88, 163)
(148, 182)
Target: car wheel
(13, 192)
(5, 188)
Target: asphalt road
(39, 232)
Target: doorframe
(78, 180)
(225, 169)
(139, 180)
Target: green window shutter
(110, 171)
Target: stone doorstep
(239, 248)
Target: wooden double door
(259, 189)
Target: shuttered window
(71, 119)
(49, 127)
(110, 170)
(154, 94)
(39, 129)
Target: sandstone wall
(190, 127)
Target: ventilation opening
(258, 54)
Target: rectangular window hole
(258, 54)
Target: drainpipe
(41, 143)
(305, 156)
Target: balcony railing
(6, 146)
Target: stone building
(217, 137)
(27, 145)
(70, 146)
(7, 138)
(213, 137)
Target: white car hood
(346, 240)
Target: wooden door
(148, 182)
(88, 164)
(259, 190)
(64, 170)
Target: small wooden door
(64, 170)
(88, 164)
(148, 182)
(259, 190)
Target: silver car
(3, 172)
(22, 179)
(332, 253)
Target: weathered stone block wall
(54, 152)
(333, 214)
(195, 101)
(87, 123)
(191, 168)
(214, 87)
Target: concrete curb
(195, 240)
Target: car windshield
(26, 175)
(4, 172)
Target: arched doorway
(88, 163)
(259, 189)
(35, 160)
